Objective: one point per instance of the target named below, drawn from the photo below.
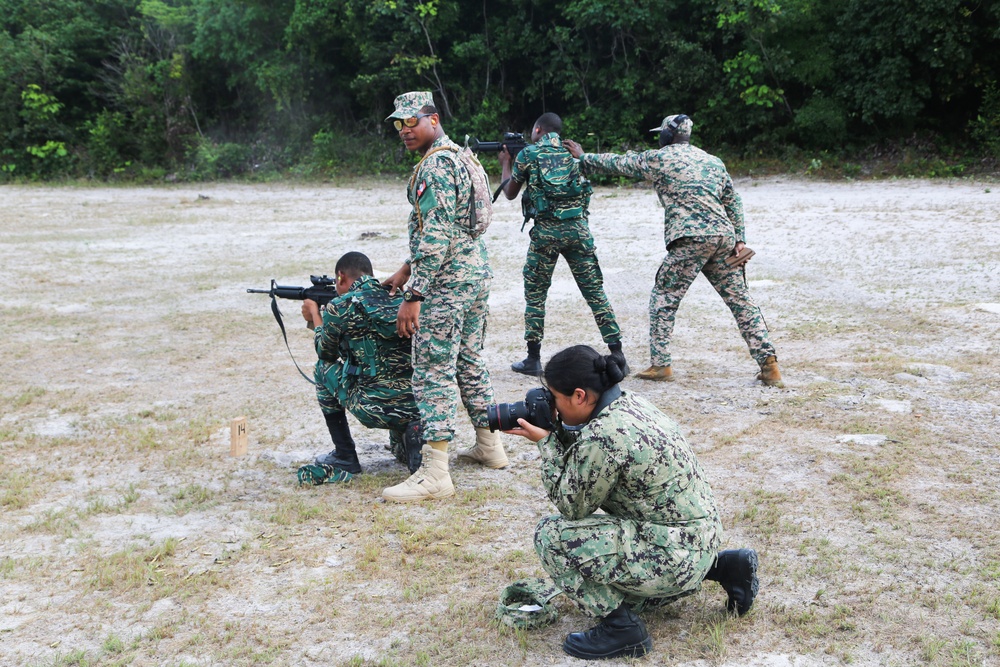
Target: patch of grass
(98, 505)
(148, 439)
(964, 653)
(300, 508)
(129, 496)
(716, 646)
(931, 647)
(18, 490)
(28, 396)
(191, 497)
(872, 484)
(249, 643)
(113, 644)
(765, 511)
(130, 568)
(55, 522)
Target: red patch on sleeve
(421, 189)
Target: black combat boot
(736, 570)
(532, 365)
(616, 352)
(621, 633)
(413, 443)
(345, 454)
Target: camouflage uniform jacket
(359, 328)
(631, 461)
(694, 187)
(550, 211)
(442, 251)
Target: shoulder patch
(421, 189)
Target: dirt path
(130, 537)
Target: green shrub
(985, 129)
(211, 160)
(107, 144)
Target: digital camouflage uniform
(364, 365)
(703, 221)
(450, 268)
(560, 229)
(660, 530)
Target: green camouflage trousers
(385, 404)
(687, 257)
(601, 561)
(574, 242)
(448, 358)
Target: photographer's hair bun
(613, 370)
(581, 366)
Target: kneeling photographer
(658, 535)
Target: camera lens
(504, 416)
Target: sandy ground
(130, 536)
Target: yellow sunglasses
(409, 122)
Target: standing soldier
(444, 307)
(363, 366)
(557, 197)
(703, 225)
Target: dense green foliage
(216, 88)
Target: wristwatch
(409, 296)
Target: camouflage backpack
(558, 188)
(480, 203)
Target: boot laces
(423, 472)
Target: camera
(536, 408)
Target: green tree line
(217, 88)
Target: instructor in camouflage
(444, 307)
(703, 225)
(363, 366)
(557, 196)
(659, 532)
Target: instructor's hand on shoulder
(398, 279)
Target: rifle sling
(496, 193)
(281, 325)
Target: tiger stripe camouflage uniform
(560, 228)
(703, 221)
(364, 366)
(450, 268)
(660, 530)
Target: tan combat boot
(487, 451)
(657, 374)
(431, 481)
(769, 373)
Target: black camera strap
(606, 399)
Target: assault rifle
(513, 141)
(322, 292)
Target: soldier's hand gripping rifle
(322, 292)
(512, 141)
